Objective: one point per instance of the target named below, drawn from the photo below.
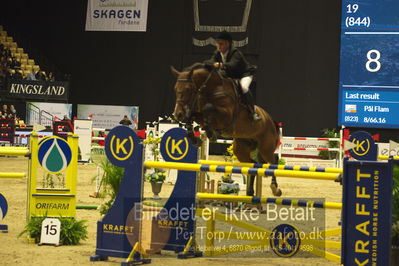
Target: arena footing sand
(17, 251)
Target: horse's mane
(196, 66)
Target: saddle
(237, 86)
(242, 99)
(238, 91)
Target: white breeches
(245, 82)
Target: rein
(193, 104)
(194, 100)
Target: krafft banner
(367, 209)
(32, 89)
(116, 15)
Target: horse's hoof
(276, 191)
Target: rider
(234, 65)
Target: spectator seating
(27, 64)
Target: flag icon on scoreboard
(350, 108)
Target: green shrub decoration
(228, 188)
(112, 177)
(157, 176)
(33, 228)
(72, 231)
(111, 181)
(153, 142)
(226, 178)
(281, 161)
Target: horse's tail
(278, 125)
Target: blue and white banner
(108, 116)
(116, 15)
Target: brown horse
(209, 99)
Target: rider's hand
(217, 65)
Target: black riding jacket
(236, 65)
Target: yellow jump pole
(275, 166)
(242, 170)
(13, 152)
(33, 166)
(265, 200)
(13, 148)
(385, 157)
(12, 175)
(71, 174)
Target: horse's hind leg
(266, 151)
(274, 187)
(242, 150)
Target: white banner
(37, 111)
(290, 143)
(108, 116)
(385, 150)
(84, 128)
(116, 15)
(163, 127)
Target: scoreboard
(369, 64)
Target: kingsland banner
(116, 15)
(31, 89)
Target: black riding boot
(249, 101)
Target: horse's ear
(174, 71)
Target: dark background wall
(297, 56)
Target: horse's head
(185, 90)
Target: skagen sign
(30, 89)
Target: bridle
(191, 107)
(193, 103)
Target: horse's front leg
(209, 112)
(190, 133)
(242, 150)
(266, 148)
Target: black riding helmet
(225, 36)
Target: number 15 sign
(51, 229)
(369, 64)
